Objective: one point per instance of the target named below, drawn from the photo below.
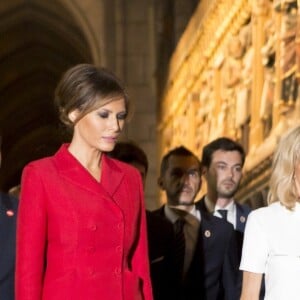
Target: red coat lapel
(70, 168)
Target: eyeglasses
(191, 173)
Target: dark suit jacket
(8, 212)
(213, 271)
(242, 212)
(160, 243)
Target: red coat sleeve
(140, 261)
(31, 237)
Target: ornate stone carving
(236, 64)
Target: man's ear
(204, 171)
(73, 115)
(160, 183)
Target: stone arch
(89, 15)
(40, 40)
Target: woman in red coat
(81, 225)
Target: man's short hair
(178, 151)
(224, 144)
(130, 152)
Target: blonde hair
(282, 181)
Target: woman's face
(100, 128)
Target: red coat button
(91, 249)
(118, 271)
(91, 271)
(93, 227)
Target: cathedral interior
(193, 71)
(39, 41)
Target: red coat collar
(71, 169)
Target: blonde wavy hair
(282, 181)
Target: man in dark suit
(160, 231)
(8, 210)
(222, 163)
(207, 266)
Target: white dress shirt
(231, 210)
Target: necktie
(223, 213)
(179, 250)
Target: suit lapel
(201, 205)
(207, 229)
(195, 279)
(112, 175)
(161, 212)
(241, 218)
(206, 237)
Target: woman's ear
(73, 115)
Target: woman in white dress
(272, 236)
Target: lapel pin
(9, 213)
(207, 233)
(242, 219)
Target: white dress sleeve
(255, 246)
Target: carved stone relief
(243, 72)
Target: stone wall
(235, 73)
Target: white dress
(272, 246)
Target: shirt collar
(172, 216)
(229, 206)
(211, 206)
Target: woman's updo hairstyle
(85, 88)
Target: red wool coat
(78, 238)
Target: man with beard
(204, 263)
(222, 163)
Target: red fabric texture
(78, 238)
